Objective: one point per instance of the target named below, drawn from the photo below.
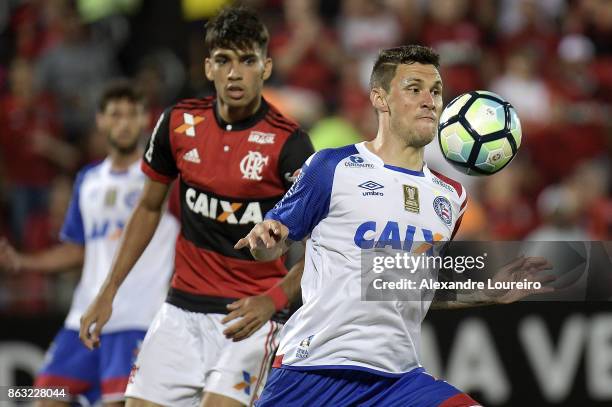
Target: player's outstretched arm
(267, 240)
(256, 310)
(59, 258)
(136, 236)
(522, 269)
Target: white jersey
(102, 202)
(348, 200)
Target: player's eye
(220, 61)
(414, 90)
(436, 92)
(249, 61)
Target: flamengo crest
(252, 165)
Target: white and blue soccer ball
(479, 133)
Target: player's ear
(379, 99)
(208, 69)
(267, 68)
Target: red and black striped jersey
(230, 175)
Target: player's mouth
(235, 91)
(427, 118)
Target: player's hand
(93, 320)
(253, 312)
(10, 260)
(521, 269)
(264, 235)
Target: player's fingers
(513, 265)
(537, 262)
(89, 341)
(279, 230)
(247, 330)
(284, 231)
(95, 335)
(262, 233)
(230, 331)
(84, 332)
(519, 262)
(252, 241)
(275, 227)
(267, 239)
(543, 278)
(244, 242)
(231, 316)
(235, 305)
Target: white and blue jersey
(102, 202)
(347, 200)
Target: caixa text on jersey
(222, 211)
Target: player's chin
(424, 137)
(237, 102)
(127, 147)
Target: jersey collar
(363, 150)
(242, 124)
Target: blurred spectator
(579, 116)
(458, 41)
(74, 70)
(592, 181)
(304, 51)
(598, 24)
(36, 25)
(409, 14)
(44, 227)
(509, 213)
(355, 105)
(160, 78)
(32, 151)
(365, 27)
(43, 232)
(559, 206)
(524, 89)
(301, 105)
(530, 23)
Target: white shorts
(185, 353)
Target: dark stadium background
(552, 59)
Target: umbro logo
(192, 156)
(371, 186)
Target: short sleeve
(294, 153)
(73, 230)
(307, 201)
(462, 209)
(158, 162)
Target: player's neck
(122, 162)
(394, 151)
(237, 114)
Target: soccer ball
(479, 133)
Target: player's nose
(427, 100)
(234, 73)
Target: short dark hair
(120, 89)
(236, 28)
(388, 60)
